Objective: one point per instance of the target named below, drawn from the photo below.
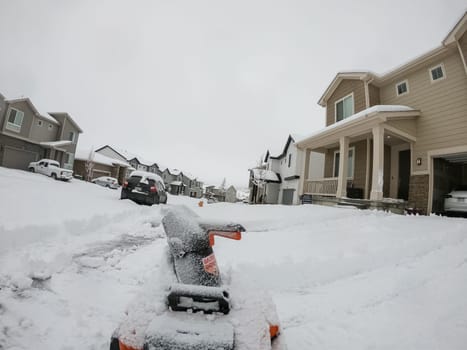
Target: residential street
(342, 278)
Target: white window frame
(440, 65)
(50, 127)
(352, 163)
(406, 82)
(73, 139)
(12, 126)
(39, 122)
(341, 100)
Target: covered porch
(54, 150)
(378, 143)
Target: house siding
(374, 95)
(345, 88)
(443, 106)
(27, 119)
(43, 132)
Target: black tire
(32, 170)
(54, 176)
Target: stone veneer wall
(418, 193)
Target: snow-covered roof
(174, 171)
(265, 175)
(54, 144)
(130, 156)
(361, 116)
(49, 118)
(188, 175)
(147, 175)
(83, 154)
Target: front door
(404, 175)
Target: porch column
(343, 166)
(305, 172)
(378, 164)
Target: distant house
(173, 181)
(90, 165)
(136, 162)
(192, 186)
(231, 195)
(215, 193)
(26, 135)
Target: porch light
(419, 161)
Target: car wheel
(54, 176)
(32, 170)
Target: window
(344, 108)
(15, 120)
(402, 88)
(39, 123)
(437, 73)
(71, 136)
(290, 159)
(350, 163)
(50, 127)
(69, 160)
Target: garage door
(18, 159)
(450, 172)
(287, 197)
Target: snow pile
(75, 261)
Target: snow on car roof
(147, 175)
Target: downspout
(462, 56)
(367, 94)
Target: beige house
(405, 132)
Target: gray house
(27, 135)
(194, 187)
(136, 162)
(231, 195)
(173, 181)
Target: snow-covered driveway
(72, 256)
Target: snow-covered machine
(198, 311)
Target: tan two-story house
(404, 133)
(27, 135)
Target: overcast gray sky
(204, 86)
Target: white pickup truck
(52, 168)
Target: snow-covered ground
(73, 256)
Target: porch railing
(326, 186)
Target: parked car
(106, 181)
(144, 188)
(456, 201)
(51, 168)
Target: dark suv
(144, 188)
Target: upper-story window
(39, 122)
(72, 136)
(437, 73)
(15, 120)
(290, 160)
(402, 88)
(50, 127)
(344, 107)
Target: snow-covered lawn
(73, 256)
